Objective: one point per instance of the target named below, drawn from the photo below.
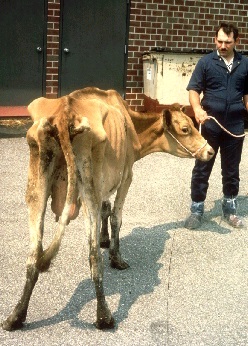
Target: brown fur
(82, 150)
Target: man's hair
(228, 28)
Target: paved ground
(183, 288)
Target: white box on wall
(167, 74)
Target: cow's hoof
(10, 325)
(102, 324)
(118, 264)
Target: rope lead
(223, 128)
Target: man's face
(225, 44)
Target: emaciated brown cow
(82, 150)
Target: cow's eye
(185, 129)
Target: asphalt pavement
(183, 288)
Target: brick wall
(52, 68)
(173, 24)
(176, 24)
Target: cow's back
(114, 100)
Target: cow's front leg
(115, 257)
(105, 214)
(116, 260)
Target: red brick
(51, 83)
(52, 18)
(51, 70)
(54, 6)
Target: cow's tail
(66, 129)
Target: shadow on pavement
(143, 249)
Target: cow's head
(184, 139)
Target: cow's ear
(167, 118)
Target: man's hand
(200, 115)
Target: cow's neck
(149, 128)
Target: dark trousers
(230, 154)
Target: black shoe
(193, 221)
(234, 221)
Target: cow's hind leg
(43, 149)
(116, 260)
(92, 223)
(36, 217)
(91, 206)
(104, 317)
(18, 316)
(105, 214)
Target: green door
(22, 29)
(93, 44)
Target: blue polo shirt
(223, 90)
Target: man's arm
(246, 101)
(200, 115)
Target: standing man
(222, 77)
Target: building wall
(52, 67)
(177, 25)
(171, 24)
